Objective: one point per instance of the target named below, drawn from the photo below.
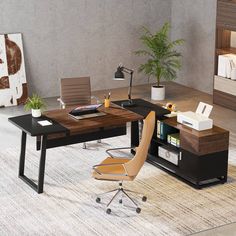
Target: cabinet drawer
(168, 155)
(226, 15)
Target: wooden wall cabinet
(226, 14)
(225, 23)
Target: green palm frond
(163, 60)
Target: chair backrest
(133, 166)
(76, 91)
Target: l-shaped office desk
(65, 131)
(202, 155)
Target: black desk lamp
(119, 75)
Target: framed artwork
(13, 85)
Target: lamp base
(129, 103)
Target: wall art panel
(13, 85)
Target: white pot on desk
(158, 92)
(36, 112)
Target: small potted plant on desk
(163, 60)
(35, 104)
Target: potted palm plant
(163, 60)
(35, 104)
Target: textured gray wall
(66, 38)
(194, 21)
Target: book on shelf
(163, 130)
(174, 139)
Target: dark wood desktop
(66, 130)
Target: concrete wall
(80, 37)
(194, 21)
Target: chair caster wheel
(98, 199)
(120, 201)
(144, 198)
(108, 211)
(138, 210)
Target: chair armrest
(111, 164)
(62, 104)
(121, 148)
(96, 98)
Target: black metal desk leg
(22, 154)
(42, 164)
(37, 187)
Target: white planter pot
(36, 112)
(158, 93)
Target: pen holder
(106, 103)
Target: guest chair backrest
(133, 166)
(76, 91)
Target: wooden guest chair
(125, 169)
(76, 91)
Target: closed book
(166, 129)
(161, 130)
(158, 128)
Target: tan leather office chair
(125, 169)
(76, 91)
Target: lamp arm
(130, 85)
(127, 70)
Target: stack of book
(173, 139)
(163, 130)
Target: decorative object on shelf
(163, 59)
(119, 75)
(226, 64)
(35, 104)
(233, 73)
(13, 85)
(171, 106)
(197, 120)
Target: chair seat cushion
(112, 172)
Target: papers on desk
(44, 122)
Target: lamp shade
(119, 75)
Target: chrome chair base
(85, 146)
(123, 192)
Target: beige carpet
(68, 207)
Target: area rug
(68, 206)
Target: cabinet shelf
(167, 145)
(221, 51)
